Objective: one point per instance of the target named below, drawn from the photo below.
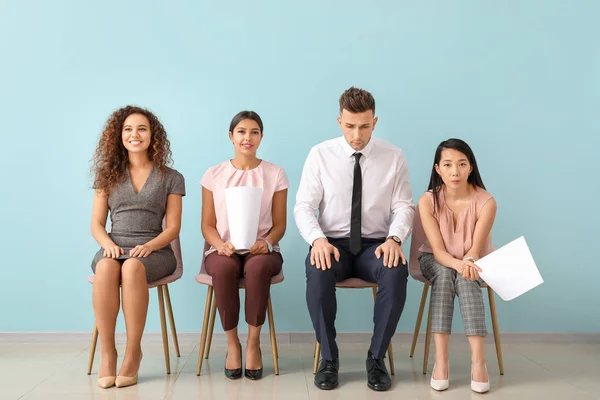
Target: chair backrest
(203, 266)
(417, 240)
(176, 246)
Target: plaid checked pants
(445, 284)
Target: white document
(510, 270)
(243, 212)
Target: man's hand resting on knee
(320, 254)
(392, 253)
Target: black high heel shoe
(236, 373)
(254, 374)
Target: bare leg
(135, 309)
(478, 359)
(234, 354)
(253, 356)
(105, 298)
(441, 355)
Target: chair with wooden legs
(210, 312)
(163, 294)
(418, 238)
(355, 283)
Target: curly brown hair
(111, 157)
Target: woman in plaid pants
(457, 215)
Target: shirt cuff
(314, 236)
(399, 233)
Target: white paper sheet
(510, 270)
(243, 212)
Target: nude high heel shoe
(124, 381)
(107, 381)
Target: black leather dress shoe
(233, 373)
(326, 377)
(377, 376)
(254, 374)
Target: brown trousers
(256, 270)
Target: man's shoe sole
(378, 388)
(326, 387)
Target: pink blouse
(458, 238)
(267, 176)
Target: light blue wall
(518, 80)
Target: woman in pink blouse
(457, 215)
(256, 266)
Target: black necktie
(355, 216)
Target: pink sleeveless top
(459, 239)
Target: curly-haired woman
(133, 182)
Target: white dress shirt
(326, 185)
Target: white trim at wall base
(193, 338)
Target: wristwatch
(396, 239)
(269, 245)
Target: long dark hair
(436, 182)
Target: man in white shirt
(360, 187)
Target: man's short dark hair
(357, 100)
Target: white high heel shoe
(440, 384)
(480, 387)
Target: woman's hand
(469, 270)
(113, 251)
(226, 249)
(260, 247)
(142, 250)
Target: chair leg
(209, 296)
(375, 293)
(374, 299)
(211, 327)
(172, 320)
(427, 340)
(273, 337)
(276, 344)
(496, 330)
(391, 359)
(93, 349)
(163, 327)
(317, 355)
(419, 319)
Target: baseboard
(193, 338)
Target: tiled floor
(532, 371)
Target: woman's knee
(260, 267)
(223, 267)
(133, 269)
(467, 286)
(107, 268)
(443, 276)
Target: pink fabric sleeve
(207, 179)
(282, 181)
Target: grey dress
(137, 219)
